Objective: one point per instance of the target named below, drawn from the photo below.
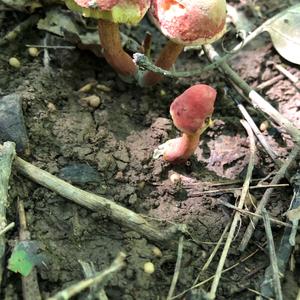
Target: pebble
(14, 62)
(33, 52)
(157, 252)
(79, 174)
(12, 124)
(149, 267)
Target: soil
(108, 151)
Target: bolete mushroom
(185, 23)
(110, 14)
(189, 112)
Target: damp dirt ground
(108, 151)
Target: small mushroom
(110, 14)
(189, 112)
(185, 23)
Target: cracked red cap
(190, 110)
(190, 22)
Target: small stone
(157, 252)
(12, 124)
(33, 52)
(149, 267)
(132, 199)
(87, 87)
(175, 178)
(14, 62)
(103, 88)
(79, 174)
(93, 101)
(51, 107)
(264, 125)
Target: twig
(212, 255)
(231, 190)
(287, 73)
(256, 99)
(287, 241)
(177, 268)
(236, 218)
(256, 131)
(144, 63)
(7, 153)
(212, 277)
(10, 36)
(119, 214)
(265, 199)
(30, 287)
(7, 228)
(101, 277)
(96, 291)
(51, 47)
(269, 82)
(272, 254)
(247, 212)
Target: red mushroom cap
(190, 110)
(190, 22)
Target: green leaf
(24, 258)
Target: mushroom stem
(166, 59)
(180, 149)
(114, 53)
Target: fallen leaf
(285, 33)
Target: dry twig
(177, 268)
(30, 286)
(272, 254)
(118, 213)
(7, 153)
(101, 277)
(236, 218)
(265, 199)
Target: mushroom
(185, 23)
(110, 14)
(189, 112)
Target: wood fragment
(7, 153)
(257, 100)
(118, 213)
(236, 218)
(30, 286)
(101, 277)
(273, 257)
(265, 199)
(177, 268)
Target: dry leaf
(285, 33)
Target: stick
(212, 277)
(101, 277)
(265, 199)
(177, 268)
(7, 228)
(30, 286)
(272, 254)
(256, 99)
(257, 132)
(236, 218)
(247, 212)
(116, 212)
(7, 153)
